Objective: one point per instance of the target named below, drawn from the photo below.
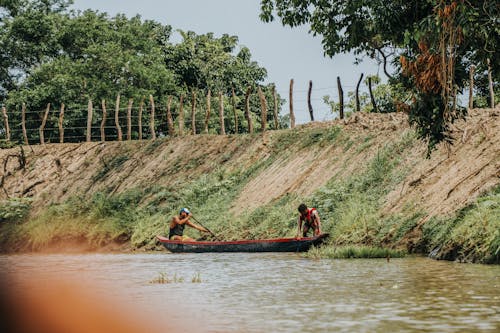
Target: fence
(99, 126)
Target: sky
(285, 52)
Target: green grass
(353, 252)
(473, 235)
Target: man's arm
(299, 222)
(197, 227)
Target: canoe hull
(263, 245)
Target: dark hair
(302, 207)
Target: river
(268, 292)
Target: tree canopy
(465, 32)
(51, 54)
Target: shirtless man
(179, 222)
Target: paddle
(209, 231)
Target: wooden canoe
(257, 245)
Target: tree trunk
(117, 122)
(309, 105)
(170, 120)
(374, 104)
(90, 110)
(6, 123)
(471, 86)
(292, 115)
(275, 109)
(341, 98)
(181, 115)
(207, 113)
(103, 122)
(152, 119)
(233, 101)
(61, 129)
(44, 120)
(358, 104)
(247, 110)
(221, 114)
(129, 119)
(263, 106)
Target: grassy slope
(116, 207)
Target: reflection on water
(286, 293)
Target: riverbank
(367, 176)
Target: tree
(466, 32)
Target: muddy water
(284, 292)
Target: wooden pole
(141, 106)
(207, 114)
(471, 86)
(170, 120)
(181, 115)
(6, 123)
(117, 121)
(263, 106)
(275, 109)
(103, 121)
(89, 120)
(374, 104)
(61, 129)
(358, 104)
(129, 119)
(341, 98)
(221, 114)
(233, 102)
(490, 80)
(152, 119)
(44, 121)
(193, 112)
(309, 105)
(23, 123)
(292, 115)
(247, 109)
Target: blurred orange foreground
(49, 305)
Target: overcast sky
(286, 53)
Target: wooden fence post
(221, 114)
(275, 110)
(490, 81)
(374, 104)
(292, 115)
(471, 86)
(181, 115)
(341, 98)
(103, 121)
(358, 104)
(263, 106)
(233, 102)
(44, 120)
(89, 120)
(117, 120)
(61, 129)
(207, 114)
(6, 123)
(129, 119)
(309, 105)
(193, 112)
(152, 119)
(247, 109)
(170, 121)
(23, 123)
(141, 105)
